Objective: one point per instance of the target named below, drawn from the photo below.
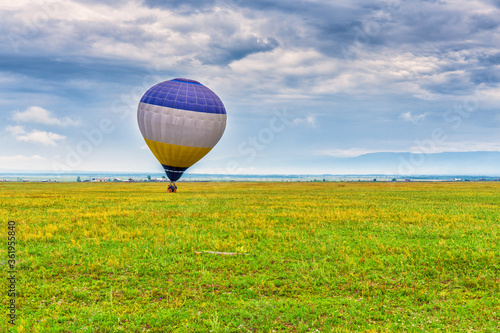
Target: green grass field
(313, 257)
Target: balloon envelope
(181, 120)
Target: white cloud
(22, 162)
(225, 171)
(455, 147)
(21, 158)
(309, 121)
(351, 152)
(15, 130)
(36, 114)
(35, 136)
(443, 147)
(408, 116)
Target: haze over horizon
(310, 87)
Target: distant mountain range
(449, 163)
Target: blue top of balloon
(184, 94)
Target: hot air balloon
(181, 120)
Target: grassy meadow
(312, 257)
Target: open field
(320, 257)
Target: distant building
(101, 180)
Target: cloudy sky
(302, 81)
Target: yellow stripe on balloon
(175, 155)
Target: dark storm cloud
(185, 4)
(293, 7)
(487, 76)
(130, 32)
(328, 25)
(487, 72)
(496, 3)
(307, 8)
(332, 28)
(113, 3)
(54, 69)
(485, 22)
(492, 59)
(225, 52)
(430, 28)
(414, 25)
(454, 84)
(417, 24)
